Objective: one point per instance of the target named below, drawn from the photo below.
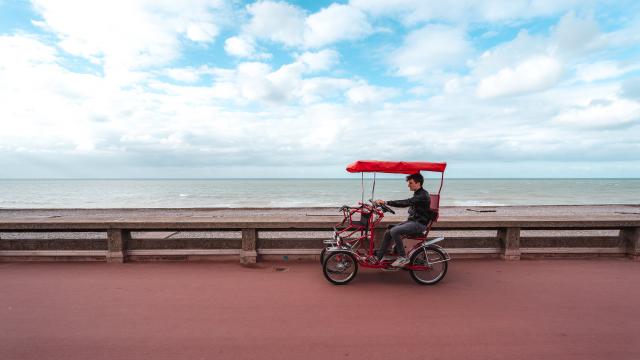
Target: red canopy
(395, 167)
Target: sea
(234, 193)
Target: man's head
(415, 181)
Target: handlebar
(385, 208)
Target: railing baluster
(248, 254)
(510, 240)
(117, 240)
(631, 239)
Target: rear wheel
(340, 267)
(434, 259)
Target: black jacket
(419, 210)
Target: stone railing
(138, 239)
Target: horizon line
(335, 178)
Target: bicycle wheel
(436, 262)
(340, 267)
(322, 254)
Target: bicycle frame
(348, 227)
(346, 235)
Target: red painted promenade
(551, 309)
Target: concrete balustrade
(121, 246)
(248, 254)
(117, 241)
(631, 239)
(510, 240)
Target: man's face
(413, 185)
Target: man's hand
(379, 202)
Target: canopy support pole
(373, 189)
(362, 185)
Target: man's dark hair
(417, 177)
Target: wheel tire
(348, 259)
(322, 254)
(418, 259)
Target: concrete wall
(249, 246)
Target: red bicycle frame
(351, 233)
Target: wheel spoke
(429, 266)
(340, 267)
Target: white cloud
(318, 89)
(287, 112)
(239, 46)
(575, 34)
(24, 50)
(510, 53)
(291, 26)
(252, 82)
(202, 32)
(277, 21)
(257, 81)
(123, 35)
(326, 122)
(244, 47)
(319, 61)
(631, 88)
(335, 23)
(364, 93)
(602, 114)
(430, 49)
(535, 74)
(47, 103)
(598, 71)
(188, 74)
(186, 127)
(628, 35)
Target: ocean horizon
(306, 192)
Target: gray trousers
(395, 234)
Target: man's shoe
(387, 258)
(400, 262)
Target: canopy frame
(395, 167)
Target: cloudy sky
(206, 88)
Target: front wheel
(323, 253)
(340, 267)
(433, 266)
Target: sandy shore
(446, 212)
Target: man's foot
(387, 258)
(400, 262)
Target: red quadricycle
(353, 243)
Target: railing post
(631, 239)
(117, 240)
(248, 254)
(510, 240)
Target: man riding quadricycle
(426, 261)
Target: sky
(243, 89)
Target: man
(419, 215)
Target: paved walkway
(483, 309)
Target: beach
(331, 213)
